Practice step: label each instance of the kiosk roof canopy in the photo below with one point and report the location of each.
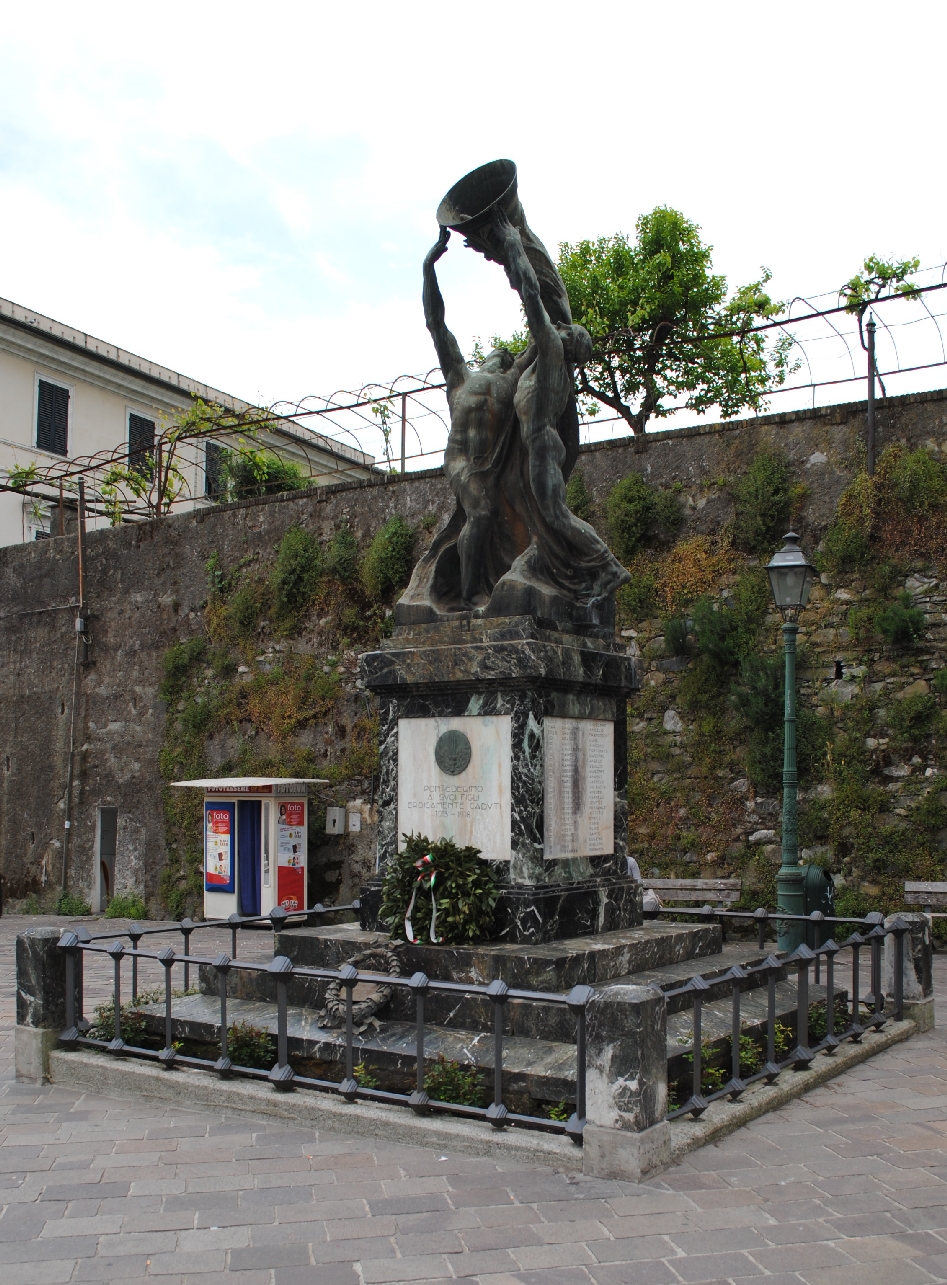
(248, 782)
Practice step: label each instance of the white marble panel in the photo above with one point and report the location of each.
(579, 790)
(471, 807)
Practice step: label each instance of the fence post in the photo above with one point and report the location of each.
(41, 1000)
(914, 934)
(626, 1135)
(168, 1054)
(281, 1076)
(419, 1099)
(497, 1112)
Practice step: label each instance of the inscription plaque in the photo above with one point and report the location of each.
(579, 787)
(470, 805)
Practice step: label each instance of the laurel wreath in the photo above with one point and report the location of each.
(380, 959)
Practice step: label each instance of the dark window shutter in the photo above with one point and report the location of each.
(141, 443)
(213, 471)
(52, 418)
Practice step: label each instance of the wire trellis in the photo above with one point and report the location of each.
(402, 425)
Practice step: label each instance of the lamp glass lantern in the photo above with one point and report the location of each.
(791, 577)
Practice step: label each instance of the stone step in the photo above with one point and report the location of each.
(535, 1071)
(713, 970)
(575, 960)
(550, 966)
(717, 1019)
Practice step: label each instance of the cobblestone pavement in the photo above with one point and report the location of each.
(848, 1184)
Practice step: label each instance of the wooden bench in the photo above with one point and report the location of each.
(925, 895)
(700, 892)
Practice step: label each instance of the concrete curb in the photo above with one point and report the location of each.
(191, 1089)
(199, 1090)
(723, 1117)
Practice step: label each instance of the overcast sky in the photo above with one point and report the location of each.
(245, 192)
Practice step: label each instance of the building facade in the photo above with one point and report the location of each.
(67, 397)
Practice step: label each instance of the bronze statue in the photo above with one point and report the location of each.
(512, 546)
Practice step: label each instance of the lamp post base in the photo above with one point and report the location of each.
(790, 899)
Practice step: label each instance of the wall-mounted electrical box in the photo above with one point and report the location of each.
(335, 820)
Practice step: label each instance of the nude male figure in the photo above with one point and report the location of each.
(481, 415)
(572, 549)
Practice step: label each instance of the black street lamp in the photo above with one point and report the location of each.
(791, 577)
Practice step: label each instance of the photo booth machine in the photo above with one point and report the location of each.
(255, 831)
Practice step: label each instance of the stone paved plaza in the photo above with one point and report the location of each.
(847, 1184)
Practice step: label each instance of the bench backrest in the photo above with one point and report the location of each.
(697, 891)
(924, 894)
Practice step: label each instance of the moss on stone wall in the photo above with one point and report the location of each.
(706, 731)
(269, 686)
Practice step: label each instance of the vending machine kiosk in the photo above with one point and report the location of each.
(255, 831)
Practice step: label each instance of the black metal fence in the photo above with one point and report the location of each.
(807, 961)
(848, 1014)
(77, 945)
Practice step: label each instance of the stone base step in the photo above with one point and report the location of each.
(717, 1019)
(535, 1071)
(549, 966)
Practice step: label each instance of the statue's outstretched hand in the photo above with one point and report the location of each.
(438, 248)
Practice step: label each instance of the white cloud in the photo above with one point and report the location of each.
(245, 193)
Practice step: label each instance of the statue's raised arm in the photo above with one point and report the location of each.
(449, 356)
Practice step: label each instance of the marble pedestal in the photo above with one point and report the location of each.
(510, 734)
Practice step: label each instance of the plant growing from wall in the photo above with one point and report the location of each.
(578, 496)
(638, 515)
(386, 567)
(298, 570)
(463, 890)
(900, 623)
(764, 501)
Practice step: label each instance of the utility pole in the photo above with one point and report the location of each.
(871, 397)
(404, 426)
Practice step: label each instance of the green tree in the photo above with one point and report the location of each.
(664, 332)
(878, 279)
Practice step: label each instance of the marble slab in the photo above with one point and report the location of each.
(471, 806)
(579, 787)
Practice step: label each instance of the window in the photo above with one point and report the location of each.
(52, 417)
(214, 487)
(141, 442)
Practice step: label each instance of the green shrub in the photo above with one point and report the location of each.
(900, 624)
(676, 632)
(629, 510)
(451, 1082)
(757, 696)
(126, 905)
(133, 1025)
(250, 1046)
(364, 1076)
(465, 891)
(579, 497)
(913, 718)
(70, 903)
(637, 600)
(256, 473)
(939, 681)
(763, 504)
(179, 660)
(637, 515)
(387, 564)
(342, 556)
(727, 630)
(245, 609)
(915, 480)
(852, 903)
(299, 566)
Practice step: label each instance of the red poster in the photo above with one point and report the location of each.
(291, 854)
(218, 847)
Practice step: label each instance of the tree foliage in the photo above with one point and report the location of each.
(878, 279)
(664, 332)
